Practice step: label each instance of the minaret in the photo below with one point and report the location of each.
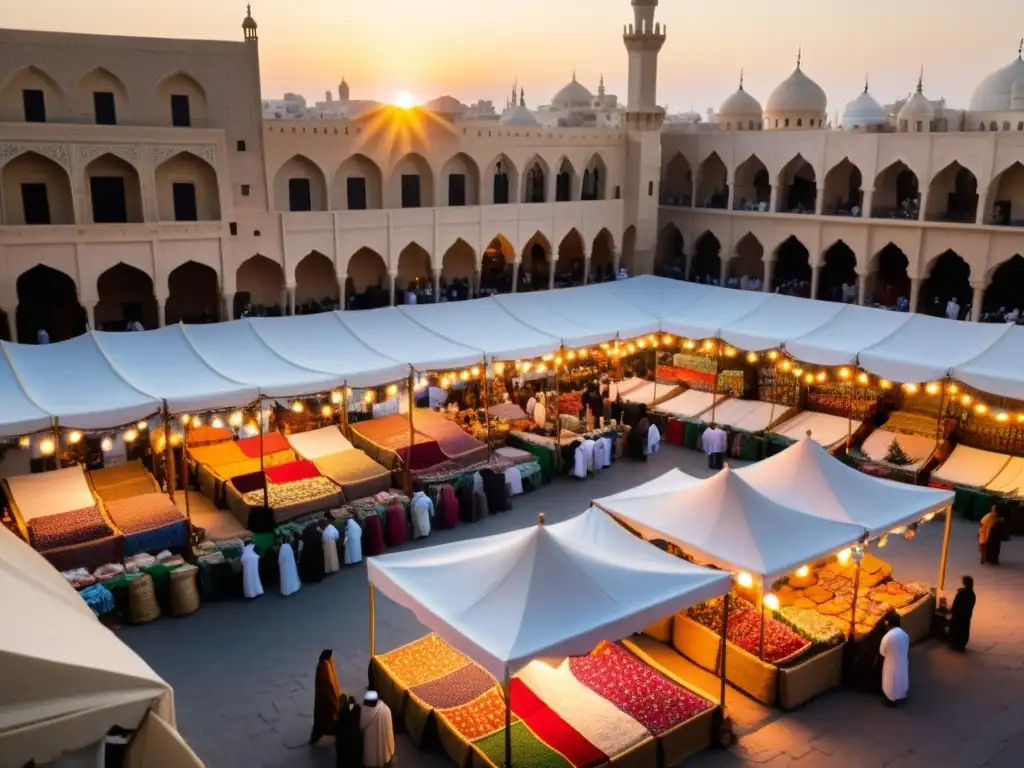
(249, 26)
(343, 92)
(643, 120)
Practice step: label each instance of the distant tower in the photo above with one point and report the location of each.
(644, 39)
(600, 88)
(249, 26)
(343, 91)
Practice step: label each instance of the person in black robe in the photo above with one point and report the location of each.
(327, 698)
(862, 667)
(960, 616)
(636, 441)
(348, 738)
(311, 560)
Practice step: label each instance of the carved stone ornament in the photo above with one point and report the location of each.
(89, 152)
(162, 153)
(56, 152)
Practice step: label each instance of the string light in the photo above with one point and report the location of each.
(335, 396)
(952, 389)
(24, 441)
(197, 422)
(541, 368)
(932, 389)
(798, 372)
(130, 435)
(185, 419)
(862, 379)
(744, 579)
(844, 373)
(666, 339)
(689, 344)
(75, 437)
(822, 376)
(548, 358)
(885, 384)
(474, 371)
(499, 369)
(730, 352)
(236, 419)
(752, 357)
(803, 571)
(809, 378)
(584, 353)
(327, 411)
(844, 557)
(1002, 416)
(771, 602)
(217, 423)
(965, 400)
(464, 376)
(369, 396)
(980, 409)
(640, 343)
(106, 445)
(558, 361)
(910, 389)
(773, 355)
(526, 367)
(570, 355)
(298, 407)
(141, 426)
(786, 365)
(883, 541)
(392, 390)
(709, 345)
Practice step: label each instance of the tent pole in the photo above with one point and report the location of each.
(771, 415)
(942, 407)
(184, 471)
(168, 451)
(945, 548)
(263, 474)
(487, 408)
(760, 646)
(558, 416)
(412, 436)
(507, 689)
(714, 385)
(856, 590)
(56, 443)
(654, 349)
(373, 621)
(725, 639)
(344, 409)
(849, 410)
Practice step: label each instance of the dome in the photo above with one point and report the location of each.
(572, 95)
(797, 94)
(997, 91)
(740, 105)
(446, 105)
(248, 22)
(917, 107)
(864, 111)
(520, 115)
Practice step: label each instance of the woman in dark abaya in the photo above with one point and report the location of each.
(348, 738)
(862, 668)
(637, 439)
(311, 559)
(961, 613)
(326, 698)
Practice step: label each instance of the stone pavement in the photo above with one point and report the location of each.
(243, 671)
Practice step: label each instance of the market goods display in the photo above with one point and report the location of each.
(780, 642)
(914, 447)
(814, 626)
(570, 402)
(527, 749)
(552, 729)
(421, 661)
(299, 492)
(455, 688)
(483, 715)
(292, 472)
(636, 689)
(142, 513)
(911, 423)
(695, 362)
(65, 529)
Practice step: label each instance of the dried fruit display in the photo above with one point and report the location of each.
(527, 750)
(812, 625)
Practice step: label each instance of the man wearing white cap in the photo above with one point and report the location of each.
(378, 732)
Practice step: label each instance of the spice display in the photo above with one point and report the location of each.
(483, 715)
(780, 642)
(812, 625)
(637, 689)
(911, 423)
(456, 688)
(298, 492)
(422, 660)
(527, 750)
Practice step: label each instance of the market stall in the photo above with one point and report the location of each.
(336, 458)
(387, 441)
(453, 441)
(144, 514)
(600, 582)
(690, 404)
(971, 467)
(723, 521)
(825, 429)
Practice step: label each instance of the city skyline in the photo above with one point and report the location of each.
(307, 50)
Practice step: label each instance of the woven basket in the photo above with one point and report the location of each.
(184, 595)
(142, 604)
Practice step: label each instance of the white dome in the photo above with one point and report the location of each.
(999, 91)
(797, 94)
(917, 107)
(740, 105)
(520, 115)
(572, 95)
(864, 111)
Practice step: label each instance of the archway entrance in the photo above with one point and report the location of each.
(496, 267)
(458, 271)
(949, 280)
(891, 280)
(125, 296)
(415, 277)
(838, 278)
(671, 257)
(792, 269)
(746, 267)
(602, 258)
(192, 295)
(260, 286)
(533, 273)
(707, 260)
(367, 283)
(570, 264)
(316, 285)
(48, 300)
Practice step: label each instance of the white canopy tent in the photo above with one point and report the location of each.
(806, 477)
(670, 482)
(838, 340)
(1000, 368)
(712, 313)
(67, 679)
(535, 310)
(392, 333)
(603, 308)
(725, 522)
(658, 296)
(543, 591)
(18, 412)
(778, 320)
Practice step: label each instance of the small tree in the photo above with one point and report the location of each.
(896, 455)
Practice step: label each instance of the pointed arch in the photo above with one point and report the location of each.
(602, 257)
(29, 77)
(412, 182)
(496, 266)
(953, 195)
(536, 263)
(949, 278)
(263, 280)
(180, 88)
(187, 189)
(300, 185)
(367, 283)
(670, 258)
(897, 193)
(115, 191)
(458, 269)
(1006, 196)
(102, 81)
(48, 300)
(753, 184)
(706, 266)
(628, 258)
(843, 193)
(595, 178)
(798, 184)
(747, 262)
(712, 183)
(1003, 294)
(358, 185)
(460, 181)
(125, 295)
(535, 180)
(36, 190)
(414, 268)
(571, 260)
(792, 275)
(501, 180)
(889, 273)
(565, 181)
(316, 284)
(677, 182)
(192, 294)
(837, 280)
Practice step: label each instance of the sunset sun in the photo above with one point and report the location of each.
(404, 100)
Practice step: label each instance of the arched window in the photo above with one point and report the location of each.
(787, 122)
(992, 126)
(500, 184)
(1020, 125)
(799, 122)
(776, 122)
(1006, 125)
(982, 126)
(750, 125)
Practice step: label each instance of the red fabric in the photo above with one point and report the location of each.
(272, 443)
(396, 529)
(551, 729)
(642, 693)
(373, 536)
(292, 471)
(676, 430)
(424, 455)
(449, 507)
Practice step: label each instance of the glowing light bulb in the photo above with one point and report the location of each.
(548, 358)
(786, 365)
(605, 346)
(809, 378)
(24, 441)
(932, 389)
(335, 396)
(368, 397)
(392, 390)
(584, 353)
(175, 441)
(666, 339)
(541, 368)
(821, 376)
(641, 343)
(929, 517)
(952, 389)
(558, 361)
(862, 379)
(730, 352)
(46, 447)
(298, 407)
(885, 384)
(217, 423)
(499, 369)
(844, 373)
(570, 355)
(883, 541)
(236, 419)
(632, 349)
(910, 389)
(185, 419)
(141, 426)
(327, 411)
(803, 571)
(773, 355)
(75, 437)
(423, 379)
(980, 408)
(771, 602)
(474, 371)
(844, 556)
(197, 422)
(689, 344)
(709, 345)
(106, 445)
(965, 400)
(744, 579)
(1002, 417)
(464, 376)
(527, 366)
(752, 357)
(130, 435)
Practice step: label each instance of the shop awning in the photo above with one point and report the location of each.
(808, 478)
(534, 310)
(1000, 368)
(709, 314)
(164, 365)
(778, 320)
(18, 412)
(602, 308)
(927, 348)
(658, 296)
(725, 522)
(323, 343)
(484, 326)
(547, 591)
(390, 332)
(838, 340)
(670, 482)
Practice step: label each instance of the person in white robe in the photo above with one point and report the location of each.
(290, 583)
(252, 587)
(579, 463)
(653, 439)
(378, 731)
(714, 441)
(540, 414)
(608, 451)
(422, 509)
(514, 478)
(530, 405)
(353, 542)
(895, 652)
(588, 453)
(330, 538)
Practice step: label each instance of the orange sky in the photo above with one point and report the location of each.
(472, 49)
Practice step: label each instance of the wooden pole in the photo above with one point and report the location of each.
(849, 409)
(939, 437)
(558, 416)
(760, 646)
(856, 589)
(487, 408)
(724, 651)
(168, 452)
(775, 375)
(344, 409)
(945, 549)
(714, 385)
(56, 443)
(373, 622)
(412, 435)
(263, 474)
(507, 688)
(654, 348)
(184, 471)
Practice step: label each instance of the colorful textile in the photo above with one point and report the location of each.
(117, 474)
(456, 688)
(552, 729)
(637, 689)
(423, 455)
(142, 513)
(483, 715)
(292, 472)
(356, 473)
(199, 436)
(99, 599)
(422, 660)
(527, 750)
(67, 528)
(271, 442)
(127, 490)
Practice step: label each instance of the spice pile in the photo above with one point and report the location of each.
(780, 642)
